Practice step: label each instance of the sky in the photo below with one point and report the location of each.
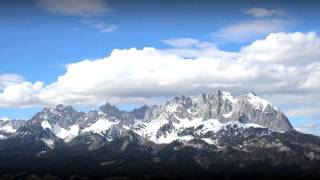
(129, 53)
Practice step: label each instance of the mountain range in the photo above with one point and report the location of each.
(205, 136)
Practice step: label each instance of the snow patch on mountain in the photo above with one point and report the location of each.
(2, 137)
(46, 125)
(172, 107)
(226, 96)
(227, 115)
(210, 141)
(100, 126)
(170, 138)
(257, 102)
(152, 131)
(66, 135)
(8, 129)
(149, 130)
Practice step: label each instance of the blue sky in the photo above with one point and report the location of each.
(40, 37)
(47, 41)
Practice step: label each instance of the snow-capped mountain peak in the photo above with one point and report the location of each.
(257, 102)
(181, 118)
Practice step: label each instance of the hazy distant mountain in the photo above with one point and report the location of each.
(210, 135)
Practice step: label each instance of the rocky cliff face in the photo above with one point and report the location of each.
(225, 108)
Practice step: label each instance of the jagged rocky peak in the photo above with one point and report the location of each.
(258, 103)
(223, 106)
(64, 116)
(186, 102)
(205, 106)
(140, 113)
(59, 109)
(111, 111)
(251, 109)
(144, 112)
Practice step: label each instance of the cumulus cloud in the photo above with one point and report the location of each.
(296, 49)
(250, 29)
(82, 8)
(194, 48)
(263, 12)
(128, 75)
(9, 79)
(189, 67)
(24, 94)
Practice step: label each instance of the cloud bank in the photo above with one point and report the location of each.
(283, 67)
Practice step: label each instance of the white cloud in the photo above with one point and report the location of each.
(296, 49)
(106, 27)
(82, 8)
(9, 79)
(194, 48)
(266, 66)
(251, 29)
(101, 26)
(313, 79)
(138, 75)
(310, 126)
(263, 12)
(297, 102)
(265, 21)
(307, 128)
(308, 111)
(128, 75)
(24, 94)
(188, 42)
